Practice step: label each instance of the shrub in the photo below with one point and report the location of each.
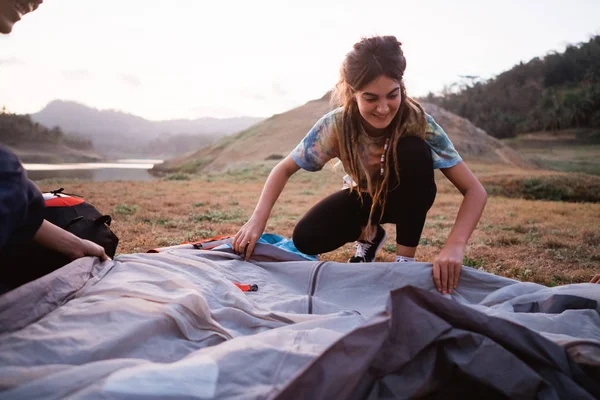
(124, 209)
(178, 177)
(218, 216)
(560, 187)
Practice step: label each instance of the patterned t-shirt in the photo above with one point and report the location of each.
(321, 145)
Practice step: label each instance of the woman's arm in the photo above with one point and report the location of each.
(448, 263)
(245, 240)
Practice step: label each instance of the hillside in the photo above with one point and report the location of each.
(570, 150)
(555, 92)
(168, 146)
(121, 134)
(279, 134)
(35, 143)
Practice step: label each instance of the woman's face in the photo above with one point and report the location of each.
(11, 11)
(378, 102)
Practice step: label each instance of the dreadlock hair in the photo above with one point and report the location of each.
(369, 59)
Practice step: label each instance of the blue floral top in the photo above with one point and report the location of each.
(320, 145)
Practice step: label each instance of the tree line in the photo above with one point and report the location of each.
(558, 91)
(17, 130)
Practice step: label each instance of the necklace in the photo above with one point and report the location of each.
(385, 147)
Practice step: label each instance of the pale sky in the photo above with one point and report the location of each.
(165, 59)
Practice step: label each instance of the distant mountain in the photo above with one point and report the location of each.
(121, 134)
(166, 145)
(276, 136)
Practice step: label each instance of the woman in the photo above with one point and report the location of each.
(389, 147)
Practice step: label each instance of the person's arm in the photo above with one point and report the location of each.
(246, 238)
(448, 263)
(62, 241)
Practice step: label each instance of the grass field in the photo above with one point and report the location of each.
(567, 151)
(548, 242)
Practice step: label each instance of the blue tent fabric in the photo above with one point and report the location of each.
(277, 241)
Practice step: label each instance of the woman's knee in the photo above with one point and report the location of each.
(302, 238)
(317, 237)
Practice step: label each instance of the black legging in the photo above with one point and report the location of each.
(340, 218)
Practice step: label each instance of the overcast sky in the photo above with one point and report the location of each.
(191, 58)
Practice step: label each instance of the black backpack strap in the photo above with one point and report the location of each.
(58, 191)
(105, 219)
(71, 222)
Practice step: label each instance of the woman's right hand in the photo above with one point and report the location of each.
(246, 238)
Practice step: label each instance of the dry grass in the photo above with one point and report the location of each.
(541, 241)
(573, 150)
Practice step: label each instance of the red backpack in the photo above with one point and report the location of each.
(29, 261)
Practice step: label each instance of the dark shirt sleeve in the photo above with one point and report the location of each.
(21, 203)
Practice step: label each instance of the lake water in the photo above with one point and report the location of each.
(119, 170)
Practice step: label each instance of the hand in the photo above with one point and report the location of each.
(62, 241)
(596, 279)
(446, 268)
(246, 238)
(87, 248)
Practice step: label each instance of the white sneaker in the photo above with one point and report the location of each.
(402, 259)
(366, 250)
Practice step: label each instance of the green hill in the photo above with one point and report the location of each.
(556, 92)
(34, 142)
(569, 150)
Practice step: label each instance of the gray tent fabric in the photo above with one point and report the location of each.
(174, 325)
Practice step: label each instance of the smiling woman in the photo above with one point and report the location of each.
(11, 12)
(389, 148)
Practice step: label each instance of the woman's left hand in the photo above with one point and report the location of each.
(446, 268)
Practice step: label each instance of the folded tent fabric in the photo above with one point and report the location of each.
(279, 242)
(136, 326)
(224, 243)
